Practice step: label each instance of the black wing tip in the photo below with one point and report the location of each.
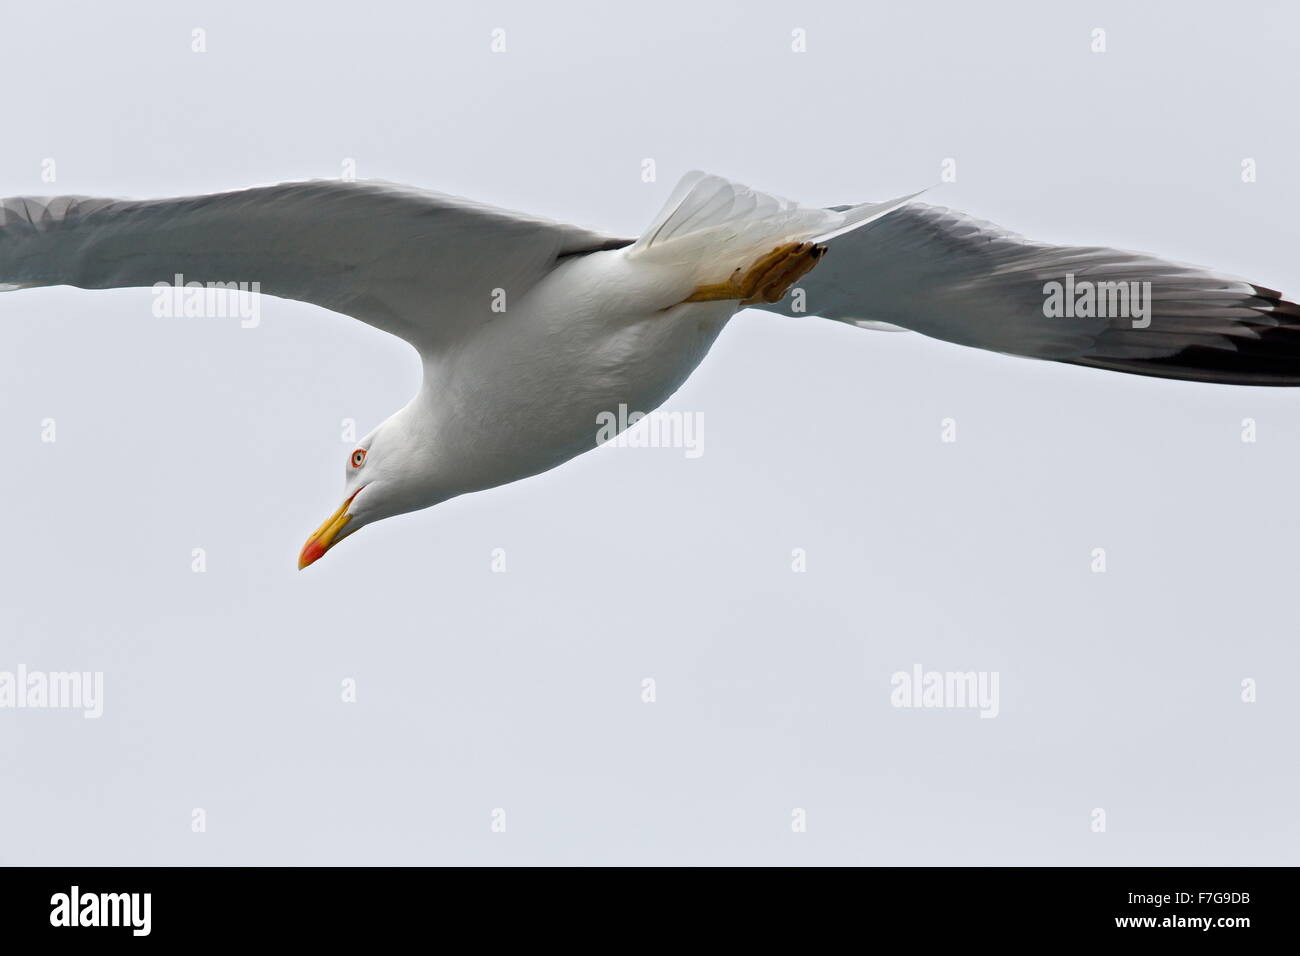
(1186, 366)
(1272, 360)
(1274, 303)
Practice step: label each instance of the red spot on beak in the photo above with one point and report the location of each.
(327, 535)
(311, 552)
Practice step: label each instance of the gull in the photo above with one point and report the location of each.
(531, 331)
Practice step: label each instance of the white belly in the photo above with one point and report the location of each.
(533, 388)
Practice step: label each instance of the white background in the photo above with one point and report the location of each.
(522, 690)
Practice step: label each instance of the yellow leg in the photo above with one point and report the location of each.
(767, 280)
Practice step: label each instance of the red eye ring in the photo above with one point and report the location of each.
(358, 458)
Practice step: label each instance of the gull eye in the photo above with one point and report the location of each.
(358, 458)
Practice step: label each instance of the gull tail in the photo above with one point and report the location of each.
(721, 225)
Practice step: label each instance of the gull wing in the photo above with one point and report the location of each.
(421, 265)
(952, 277)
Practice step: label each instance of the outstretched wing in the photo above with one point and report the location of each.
(420, 265)
(944, 274)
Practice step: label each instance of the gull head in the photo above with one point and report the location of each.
(385, 475)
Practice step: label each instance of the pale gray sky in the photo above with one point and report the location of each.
(522, 690)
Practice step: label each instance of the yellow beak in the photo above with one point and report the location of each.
(326, 535)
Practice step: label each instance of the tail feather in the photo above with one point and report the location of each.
(721, 225)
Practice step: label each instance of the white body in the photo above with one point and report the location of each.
(523, 393)
(523, 390)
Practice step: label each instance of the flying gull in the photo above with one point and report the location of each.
(530, 330)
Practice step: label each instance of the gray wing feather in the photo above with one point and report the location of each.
(420, 265)
(952, 277)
